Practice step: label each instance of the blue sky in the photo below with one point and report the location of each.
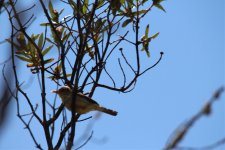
(192, 37)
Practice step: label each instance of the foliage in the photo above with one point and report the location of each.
(84, 42)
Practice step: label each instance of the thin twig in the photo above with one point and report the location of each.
(180, 132)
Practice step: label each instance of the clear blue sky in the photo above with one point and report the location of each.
(192, 37)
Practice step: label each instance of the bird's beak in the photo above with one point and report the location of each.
(54, 91)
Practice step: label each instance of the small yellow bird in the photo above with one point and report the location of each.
(83, 105)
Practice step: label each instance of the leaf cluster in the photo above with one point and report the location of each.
(27, 52)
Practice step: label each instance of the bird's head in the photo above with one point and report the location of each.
(64, 91)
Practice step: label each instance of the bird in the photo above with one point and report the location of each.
(84, 104)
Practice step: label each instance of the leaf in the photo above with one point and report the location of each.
(45, 24)
(68, 75)
(155, 35)
(140, 12)
(142, 3)
(51, 77)
(100, 3)
(66, 36)
(48, 61)
(49, 40)
(148, 53)
(160, 7)
(30, 47)
(157, 1)
(126, 22)
(73, 5)
(51, 9)
(85, 6)
(98, 23)
(40, 41)
(61, 11)
(115, 5)
(21, 40)
(58, 68)
(34, 37)
(44, 52)
(24, 58)
(145, 48)
(130, 3)
(104, 29)
(146, 31)
(145, 41)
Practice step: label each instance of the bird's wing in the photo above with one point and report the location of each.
(87, 98)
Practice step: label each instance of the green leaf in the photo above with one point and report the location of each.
(73, 5)
(100, 3)
(44, 52)
(30, 48)
(66, 36)
(115, 5)
(51, 77)
(40, 41)
(24, 58)
(160, 7)
(48, 61)
(85, 6)
(58, 68)
(49, 40)
(155, 35)
(126, 22)
(61, 11)
(157, 1)
(140, 12)
(145, 48)
(51, 9)
(34, 37)
(122, 1)
(98, 23)
(105, 28)
(142, 3)
(130, 3)
(148, 53)
(146, 31)
(45, 24)
(68, 75)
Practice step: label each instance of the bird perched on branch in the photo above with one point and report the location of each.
(83, 104)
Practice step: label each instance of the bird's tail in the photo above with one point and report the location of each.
(107, 111)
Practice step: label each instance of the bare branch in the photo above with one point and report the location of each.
(179, 134)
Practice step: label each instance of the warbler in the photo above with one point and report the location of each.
(83, 104)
